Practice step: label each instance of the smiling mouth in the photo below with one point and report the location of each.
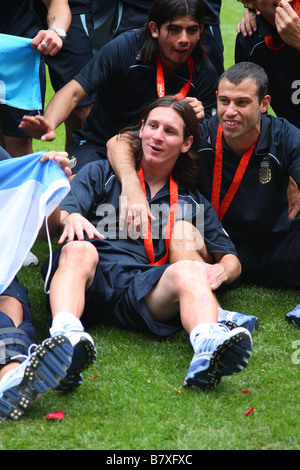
(156, 149)
(231, 123)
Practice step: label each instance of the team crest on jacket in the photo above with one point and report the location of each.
(265, 171)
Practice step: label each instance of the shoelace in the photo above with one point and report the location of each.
(23, 356)
(47, 291)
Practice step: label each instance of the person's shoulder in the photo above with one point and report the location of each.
(208, 130)
(279, 131)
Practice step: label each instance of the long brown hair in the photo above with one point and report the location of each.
(163, 11)
(188, 165)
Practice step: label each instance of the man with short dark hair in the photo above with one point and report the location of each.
(248, 157)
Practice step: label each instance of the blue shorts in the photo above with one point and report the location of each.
(117, 298)
(15, 341)
(75, 53)
(19, 292)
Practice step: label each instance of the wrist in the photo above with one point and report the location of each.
(59, 31)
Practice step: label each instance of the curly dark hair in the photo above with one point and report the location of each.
(188, 165)
(244, 2)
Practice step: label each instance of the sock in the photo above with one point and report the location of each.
(197, 334)
(65, 321)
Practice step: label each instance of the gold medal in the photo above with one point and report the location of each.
(265, 171)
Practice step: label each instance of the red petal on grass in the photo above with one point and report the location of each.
(55, 415)
(248, 412)
(247, 391)
(96, 377)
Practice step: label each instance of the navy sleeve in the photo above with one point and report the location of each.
(110, 63)
(85, 188)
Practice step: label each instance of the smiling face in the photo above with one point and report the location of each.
(163, 140)
(176, 40)
(239, 111)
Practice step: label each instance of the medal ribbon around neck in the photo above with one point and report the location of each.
(148, 242)
(217, 177)
(160, 81)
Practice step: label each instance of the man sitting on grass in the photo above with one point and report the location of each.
(248, 157)
(127, 282)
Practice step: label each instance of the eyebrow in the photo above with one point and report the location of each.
(169, 126)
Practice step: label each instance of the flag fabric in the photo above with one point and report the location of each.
(29, 192)
(19, 73)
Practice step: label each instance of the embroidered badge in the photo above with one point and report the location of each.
(265, 171)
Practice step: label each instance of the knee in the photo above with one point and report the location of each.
(79, 254)
(189, 274)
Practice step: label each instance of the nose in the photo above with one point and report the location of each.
(231, 109)
(184, 39)
(158, 134)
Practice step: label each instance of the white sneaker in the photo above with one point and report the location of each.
(30, 260)
(221, 352)
(84, 353)
(42, 370)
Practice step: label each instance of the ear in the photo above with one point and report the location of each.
(153, 29)
(265, 103)
(187, 144)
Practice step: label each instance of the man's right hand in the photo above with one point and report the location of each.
(38, 127)
(134, 210)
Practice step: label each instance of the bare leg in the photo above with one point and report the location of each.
(75, 121)
(74, 276)
(18, 146)
(183, 287)
(13, 308)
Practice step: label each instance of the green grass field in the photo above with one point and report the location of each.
(132, 397)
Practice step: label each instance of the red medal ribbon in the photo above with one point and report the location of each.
(217, 177)
(160, 81)
(270, 44)
(148, 243)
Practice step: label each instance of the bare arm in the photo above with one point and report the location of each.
(58, 15)
(57, 111)
(226, 269)
(134, 204)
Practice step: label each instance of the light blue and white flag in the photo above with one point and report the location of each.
(29, 192)
(19, 73)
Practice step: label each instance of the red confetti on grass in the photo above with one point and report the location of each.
(247, 391)
(56, 415)
(249, 412)
(178, 391)
(96, 377)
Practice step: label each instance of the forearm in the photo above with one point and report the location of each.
(122, 159)
(59, 13)
(63, 103)
(230, 267)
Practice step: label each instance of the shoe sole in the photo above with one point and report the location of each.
(84, 355)
(293, 320)
(47, 366)
(229, 357)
